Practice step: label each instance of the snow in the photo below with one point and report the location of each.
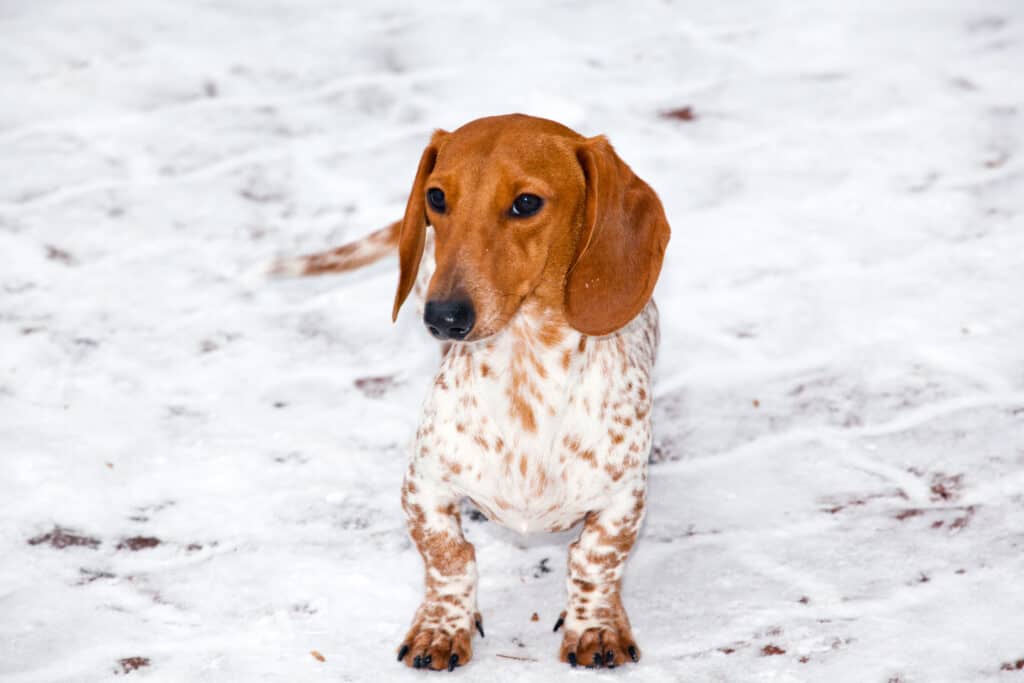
(839, 466)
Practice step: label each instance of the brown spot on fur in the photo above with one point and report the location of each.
(522, 465)
(550, 333)
(590, 456)
(522, 411)
(447, 554)
(485, 370)
(542, 482)
(520, 406)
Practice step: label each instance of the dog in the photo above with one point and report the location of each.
(537, 275)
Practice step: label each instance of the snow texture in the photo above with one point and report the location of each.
(200, 468)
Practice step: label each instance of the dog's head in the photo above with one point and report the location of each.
(526, 209)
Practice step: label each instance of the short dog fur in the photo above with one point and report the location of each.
(538, 273)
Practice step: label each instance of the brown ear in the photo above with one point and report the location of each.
(621, 245)
(414, 226)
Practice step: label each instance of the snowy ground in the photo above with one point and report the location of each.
(199, 470)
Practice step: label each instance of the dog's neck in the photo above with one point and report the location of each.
(528, 363)
(536, 326)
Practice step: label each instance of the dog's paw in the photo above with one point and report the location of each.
(439, 644)
(605, 645)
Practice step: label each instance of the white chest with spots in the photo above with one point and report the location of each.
(540, 424)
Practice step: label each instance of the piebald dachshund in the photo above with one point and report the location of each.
(537, 275)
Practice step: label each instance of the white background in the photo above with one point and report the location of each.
(840, 392)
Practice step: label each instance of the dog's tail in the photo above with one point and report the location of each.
(363, 252)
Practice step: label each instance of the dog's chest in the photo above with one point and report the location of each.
(541, 424)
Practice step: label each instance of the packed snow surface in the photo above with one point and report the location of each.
(200, 468)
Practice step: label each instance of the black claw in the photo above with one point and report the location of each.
(403, 652)
(417, 662)
(572, 659)
(633, 653)
(558, 624)
(598, 659)
(480, 628)
(609, 659)
(453, 662)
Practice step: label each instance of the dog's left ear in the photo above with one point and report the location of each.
(413, 234)
(620, 247)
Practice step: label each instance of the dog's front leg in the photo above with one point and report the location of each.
(597, 631)
(442, 628)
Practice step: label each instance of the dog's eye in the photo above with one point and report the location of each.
(526, 205)
(435, 198)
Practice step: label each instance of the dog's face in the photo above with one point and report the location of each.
(505, 201)
(526, 209)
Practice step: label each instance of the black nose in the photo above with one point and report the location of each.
(449, 319)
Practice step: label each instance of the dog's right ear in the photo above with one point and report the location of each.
(414, 225)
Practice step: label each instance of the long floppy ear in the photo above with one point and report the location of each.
(621, 245)
(414, 226)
